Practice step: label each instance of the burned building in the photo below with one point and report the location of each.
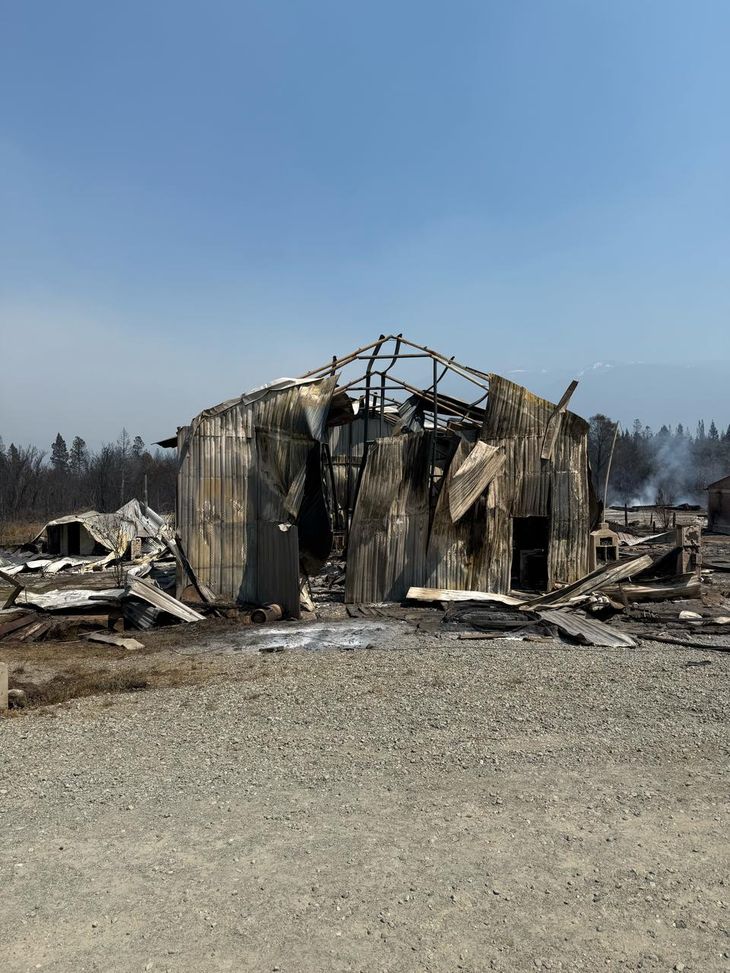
(417, 485)
(718, 506)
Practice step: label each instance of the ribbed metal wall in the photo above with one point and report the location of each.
(387, 549)
(240, 484)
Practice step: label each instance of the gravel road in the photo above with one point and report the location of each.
(429, 805)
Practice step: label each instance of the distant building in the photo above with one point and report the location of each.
(718, 506)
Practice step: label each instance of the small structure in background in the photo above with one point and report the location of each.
(91, 533)
(93, 541)
(718, 506)
(604, 546)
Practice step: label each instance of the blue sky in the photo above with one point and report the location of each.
(197, 198)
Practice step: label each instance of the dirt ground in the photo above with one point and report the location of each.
(423, 804)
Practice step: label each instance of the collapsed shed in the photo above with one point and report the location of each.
(92, 533)
(419, 486)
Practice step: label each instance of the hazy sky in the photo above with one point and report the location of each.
(196, 198)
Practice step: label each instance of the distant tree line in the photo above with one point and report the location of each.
(667, 467)
(39, 485)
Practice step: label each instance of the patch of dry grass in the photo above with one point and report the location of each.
(19, 531)
(60, 688)
(57, 672)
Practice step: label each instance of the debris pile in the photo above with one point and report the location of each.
(126, 563)
(640, 596)
(92, 541)
(30, 615)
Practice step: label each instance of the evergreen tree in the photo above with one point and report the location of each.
(137, 447)
(713, 434)
(78, 461)
(59, 454)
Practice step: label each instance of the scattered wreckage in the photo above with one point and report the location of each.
(133, 546)
(357, 483)
(91, 541)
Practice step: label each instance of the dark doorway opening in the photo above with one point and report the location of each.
(530, 542)
(74, 537)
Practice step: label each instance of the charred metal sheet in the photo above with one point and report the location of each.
(473, 477)
(347, 446)
(589, 631)
(387, 547)
(160, 599)
(553, 425)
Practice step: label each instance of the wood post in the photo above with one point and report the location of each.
(3, 686)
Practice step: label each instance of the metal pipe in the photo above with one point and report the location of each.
(431, 504)
(397, 356)
(267, 613)
(348, 498)
(346, 359)
(451, 362)
(608, 472)
(464, 413)
(333, 485)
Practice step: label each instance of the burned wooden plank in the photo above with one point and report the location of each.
(603, 576)
(686, 586)
(31, 633)
(684, 643)
(16, 624)
(117, 640)
(449, 594)
(15, 586)
(178, 552)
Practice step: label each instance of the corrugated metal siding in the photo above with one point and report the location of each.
(346, 450)
(529, 486)
(215, 503)
(476, 553)
(241, 475)
(387, 546)
(457, 552)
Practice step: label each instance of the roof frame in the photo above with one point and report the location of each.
(473, 375)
